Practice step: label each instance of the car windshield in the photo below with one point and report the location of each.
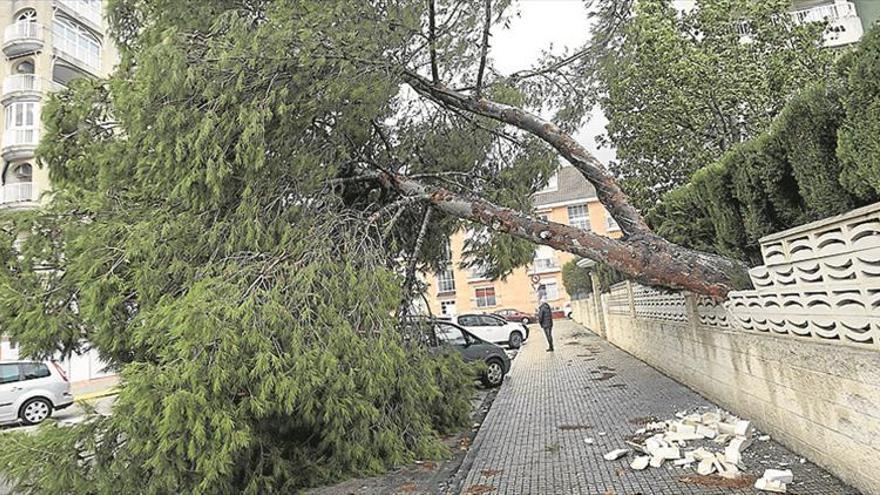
(449, 334)
(9, 373)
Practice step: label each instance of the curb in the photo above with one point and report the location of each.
(96, 395)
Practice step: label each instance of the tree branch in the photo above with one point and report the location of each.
(484, 51)
(432, 41)
(646, 258)
(607, 190)
(413, 260)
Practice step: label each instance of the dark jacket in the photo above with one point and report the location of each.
(545, 316)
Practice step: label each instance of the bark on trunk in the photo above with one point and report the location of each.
(644, 257)
(609, 193)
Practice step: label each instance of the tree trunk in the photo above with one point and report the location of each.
(644, 257)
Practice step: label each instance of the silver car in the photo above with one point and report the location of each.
(31, 390)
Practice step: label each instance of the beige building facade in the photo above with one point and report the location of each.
(46, 45)
(568, 199)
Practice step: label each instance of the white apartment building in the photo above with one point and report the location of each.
(46, 45)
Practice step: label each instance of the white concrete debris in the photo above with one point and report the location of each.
(640, 462)
(774, 480)
(589, 441)
(782, 476)
(615, 454)
(666, 440)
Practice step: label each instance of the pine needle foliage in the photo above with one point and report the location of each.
(195, 239)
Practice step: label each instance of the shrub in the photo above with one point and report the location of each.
(858, 139)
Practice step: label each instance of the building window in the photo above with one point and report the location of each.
(27, 15)
(77, 41)
(611, 223)
(485, 297)
(545, 258)
(20, 115)
(579, 216)
(445, 281)
(447, 308)
(447, 251)
(24, 172)
(478, 272)
(548, 289)
(24, 67)
(552, 184)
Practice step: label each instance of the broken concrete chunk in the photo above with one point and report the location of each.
(686, 429)
(710, 418)
(668, 453)
(615, 454)
(706, 431)
(782, 476)
(640, 462)
(706, 467)
(732, 455)
(770, 486)
(675, 436)
(728, 470)
(727, 428)
(701, 454)
(693, 419)
(652, 445)
(657, 461)
(764, 438)
(686, 461)
(743, 428)
(589, 441)
(722, 438)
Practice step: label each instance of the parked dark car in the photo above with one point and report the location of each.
(439, 335)
(518, 316)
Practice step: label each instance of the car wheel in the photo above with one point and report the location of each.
(515, 341)
(494, 373)
(526, 321)
(35, 411)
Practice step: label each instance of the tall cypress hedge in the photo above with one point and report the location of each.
(858, 143)
(820, 157)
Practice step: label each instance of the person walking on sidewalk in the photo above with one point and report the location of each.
(545, 319)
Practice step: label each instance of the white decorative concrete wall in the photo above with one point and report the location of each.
(798, 355)
(820, 282)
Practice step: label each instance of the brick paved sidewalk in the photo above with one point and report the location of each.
(533, 439)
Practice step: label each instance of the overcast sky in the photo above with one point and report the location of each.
(542, 23)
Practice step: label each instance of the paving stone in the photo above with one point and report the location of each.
(609, 397)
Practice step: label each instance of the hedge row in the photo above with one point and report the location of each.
(820, 157)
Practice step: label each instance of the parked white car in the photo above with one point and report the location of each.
(493, 328)
(31, 390)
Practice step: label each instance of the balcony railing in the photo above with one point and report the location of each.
(16, 193)
(91, 11)
(23, 31)
(21, 137)
(76, 50)
(21, 82)
(829, 12)
(545, 264)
